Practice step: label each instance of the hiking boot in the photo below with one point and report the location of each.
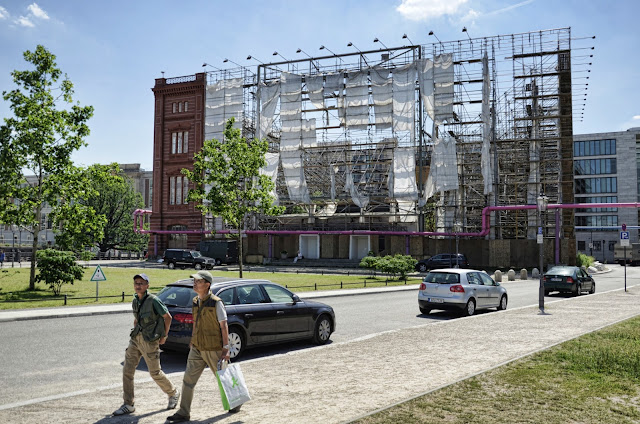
(236, 409)
(173, 400)
(124, 409)
(177, 418)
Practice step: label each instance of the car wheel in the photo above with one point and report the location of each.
(422, 267)
(236, 342)
(503, 303)
(218, 262)
(425, 311)
(546, 292)
(323, 330)
(593, 288)
(577, 290)
(198, 267)
(171, 265)
(470, 309)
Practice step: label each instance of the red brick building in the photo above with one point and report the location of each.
(178, 133)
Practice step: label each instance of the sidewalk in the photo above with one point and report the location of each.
(340, 382)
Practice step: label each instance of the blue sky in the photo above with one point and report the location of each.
(112, 51)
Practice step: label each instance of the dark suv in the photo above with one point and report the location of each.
(443, 260)
(187, 258)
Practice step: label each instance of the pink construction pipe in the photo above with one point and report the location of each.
(486, 223)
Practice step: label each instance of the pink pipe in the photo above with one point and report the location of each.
(486, 223)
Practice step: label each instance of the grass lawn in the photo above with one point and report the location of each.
(592, 379)
(14, 284)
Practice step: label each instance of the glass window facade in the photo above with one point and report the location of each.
(597, 221)
(596, 185)
(595, 166)
(594, 147)
(597, 199)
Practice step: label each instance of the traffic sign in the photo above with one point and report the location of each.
(624, 238)
(98, 275)
(624, 227)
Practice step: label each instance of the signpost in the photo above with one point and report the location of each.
(624, 242)
(98, 276)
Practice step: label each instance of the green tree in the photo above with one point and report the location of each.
(114, 198)
(39, 139)
(56, 268)
(227, 182)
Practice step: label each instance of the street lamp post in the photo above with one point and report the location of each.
(457, 228)
(13, 244)
(542, 202)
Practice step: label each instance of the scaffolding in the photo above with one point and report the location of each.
(511, 122)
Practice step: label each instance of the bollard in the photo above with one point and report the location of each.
(535, 274)
(123, 296)
(498, 276)
(511, 275)
(315, 286)
(340, 284)
(65, 299)
(523, 274)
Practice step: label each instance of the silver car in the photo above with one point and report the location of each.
(464, 290)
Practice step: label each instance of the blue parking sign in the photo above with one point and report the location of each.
(624, 235)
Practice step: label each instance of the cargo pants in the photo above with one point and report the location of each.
(196, 363)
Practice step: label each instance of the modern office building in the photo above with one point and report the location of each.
(606, 170)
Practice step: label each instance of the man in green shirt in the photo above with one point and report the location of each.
(151, 325)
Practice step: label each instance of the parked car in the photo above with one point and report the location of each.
(443, 260)
(259, 312)
(570, 279)
(463, 290)
(187, 258)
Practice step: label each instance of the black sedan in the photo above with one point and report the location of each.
(443, 260)
(259, 312)
(570, 279)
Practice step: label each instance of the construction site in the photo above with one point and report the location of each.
(411, 145)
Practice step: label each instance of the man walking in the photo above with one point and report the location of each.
(151, 326)
(209, 341)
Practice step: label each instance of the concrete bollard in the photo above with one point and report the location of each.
(498, 276)
(523, 274)
(535, 274)
(511, 275)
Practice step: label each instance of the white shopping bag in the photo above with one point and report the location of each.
(233, 389)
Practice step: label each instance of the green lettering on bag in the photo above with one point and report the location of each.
(235, 382)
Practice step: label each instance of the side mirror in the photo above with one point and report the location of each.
(295, 298)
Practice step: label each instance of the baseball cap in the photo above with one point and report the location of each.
(203, 275)
(145, 277)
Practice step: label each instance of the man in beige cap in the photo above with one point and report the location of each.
(209, 341)
(151, 325)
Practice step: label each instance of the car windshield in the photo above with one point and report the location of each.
(195, 254)
(177, 296)
(560, 270)
(442, 278)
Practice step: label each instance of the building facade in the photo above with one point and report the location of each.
(606, 170)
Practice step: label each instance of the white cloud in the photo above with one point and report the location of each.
(3, 13)
(636, 118)
(24, 21)
(37, 11)
(420, 10)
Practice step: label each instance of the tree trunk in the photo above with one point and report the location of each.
(240, 253)
(34, 250)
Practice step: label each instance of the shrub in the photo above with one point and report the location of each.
(396, 265)
(56, 268)
(369, 262)
(584, 260)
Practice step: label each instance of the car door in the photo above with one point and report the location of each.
(481, 292)
(293, 320)
(493, 290)
(587, 281)
(256, 313)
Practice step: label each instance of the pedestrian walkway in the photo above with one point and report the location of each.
(339, 382)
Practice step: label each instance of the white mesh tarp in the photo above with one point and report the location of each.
(269, 95)
(334, 85)
(487, 171)
(443, 175)
(294, 176)
(357, 101)
(309, 133)
(271, 170)
(358, 199)
(223, 100)
(443, 87)
(290, 111)
(404, 174)
(315, 89)
(425, 80)
(404, 98)
(382, 101)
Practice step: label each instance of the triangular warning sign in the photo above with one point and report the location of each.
(98, 275)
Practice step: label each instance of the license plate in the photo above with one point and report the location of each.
(556, 279)
(435, 300)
